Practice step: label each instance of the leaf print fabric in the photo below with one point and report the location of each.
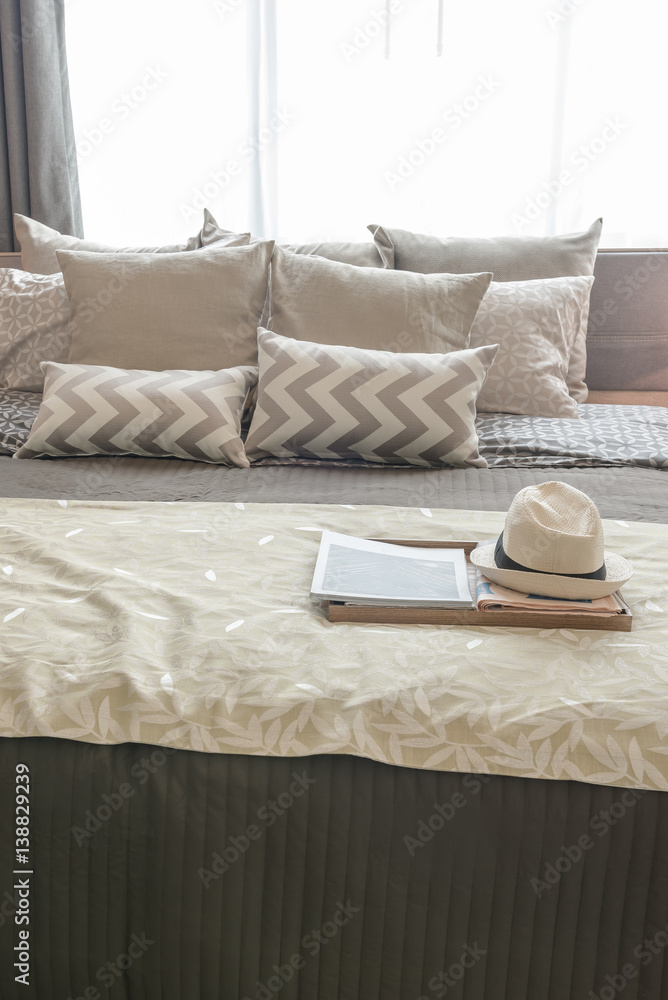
(172, 624)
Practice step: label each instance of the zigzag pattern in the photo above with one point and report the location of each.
(97, 410)
(319, 401)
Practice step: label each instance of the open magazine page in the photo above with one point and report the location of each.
(360, 571)
(493, 597)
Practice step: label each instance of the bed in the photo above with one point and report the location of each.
(323, 854)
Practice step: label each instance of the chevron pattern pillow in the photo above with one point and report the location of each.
(324, 401)
(96, 410)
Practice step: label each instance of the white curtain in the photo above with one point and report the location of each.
(263, 88)
(306, 120)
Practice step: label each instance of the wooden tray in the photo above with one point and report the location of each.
(337, 611)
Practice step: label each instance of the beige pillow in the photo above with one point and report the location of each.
(535, 323)
(39, 243)
(96, 410)
(510, 258)
(324, 401)
(360, 254)
(192, 311)
(370, 307)
(33, 326)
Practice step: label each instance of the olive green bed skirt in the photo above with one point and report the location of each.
(175, 875)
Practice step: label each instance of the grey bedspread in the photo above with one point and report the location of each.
(634, 494)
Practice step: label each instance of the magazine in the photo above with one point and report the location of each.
(381, 574)
(494, 597)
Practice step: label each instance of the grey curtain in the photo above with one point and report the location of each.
(38, 164)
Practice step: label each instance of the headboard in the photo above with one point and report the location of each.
(627, 337)
(10, 259)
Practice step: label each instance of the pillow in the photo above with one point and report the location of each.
(33, 326)
(370, 307)
(536, 324)
(359, 254)
(18, 410)
(39, 243)
(511, 258)
(96, 410)
(192, 311)
(324, 401)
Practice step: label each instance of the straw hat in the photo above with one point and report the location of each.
(552, 545)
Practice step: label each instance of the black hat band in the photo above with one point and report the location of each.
(503, 561)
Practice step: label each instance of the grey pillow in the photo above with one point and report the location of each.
(188, 311)
(360, 254)
(39, 243)
(334, 303)
(510, 258)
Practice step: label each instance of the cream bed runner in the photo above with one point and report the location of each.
(190, 625)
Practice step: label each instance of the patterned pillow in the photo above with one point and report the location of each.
(39, 243)
(95, 410)
(34, 313)
(536, 324)
(324, 401)
(18, 411)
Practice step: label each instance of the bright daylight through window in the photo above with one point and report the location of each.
(305, 120)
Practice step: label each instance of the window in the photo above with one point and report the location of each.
(308, 120)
